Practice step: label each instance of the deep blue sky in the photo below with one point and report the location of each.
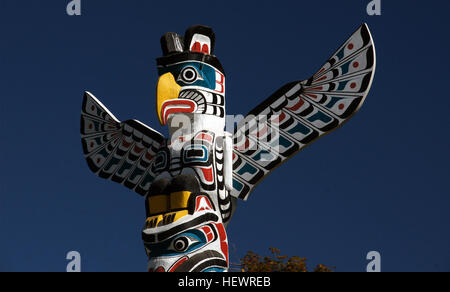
(379, 183)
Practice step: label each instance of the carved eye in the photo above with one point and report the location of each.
(181, 244)
(189, 75)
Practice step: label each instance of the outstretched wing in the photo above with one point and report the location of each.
(301, 112)
(118, 151)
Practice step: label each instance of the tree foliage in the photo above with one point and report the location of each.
(276, 262)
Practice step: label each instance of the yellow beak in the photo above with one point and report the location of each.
(166, 89)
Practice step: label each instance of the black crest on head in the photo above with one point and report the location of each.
(172, 42)
(197, 44)
(198, 38)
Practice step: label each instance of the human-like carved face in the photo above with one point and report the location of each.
(196, 242)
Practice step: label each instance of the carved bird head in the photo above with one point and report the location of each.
(192, 80)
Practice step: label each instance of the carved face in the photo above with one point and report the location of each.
(192, 80)
(195, 242)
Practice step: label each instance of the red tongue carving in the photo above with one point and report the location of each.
(177, 106)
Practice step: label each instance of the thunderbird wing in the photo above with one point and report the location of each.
(301, 112)
(122, 152)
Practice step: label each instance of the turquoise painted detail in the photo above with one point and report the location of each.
(104, 153)
(281, 143)
(340, 55)
(215, 270)
(263, 156)
(247, 168)
(237, 185)
(342, 85)
(320, 116)
(299, 128)
(147, 180)
(202, 158)
(111, 163)
(98, 140)
(206, 74)
(285, 142)
(163, 163)
(136, 172)
(96, 125)
(125, 166)
(193, 238)
(333, 101)
(345, 67)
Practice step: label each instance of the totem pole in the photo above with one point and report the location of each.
(192, 180)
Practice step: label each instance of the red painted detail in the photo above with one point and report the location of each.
(196, 47)
(200, 202)
(224, 248)
(98, 160)
(90, 126)
(176, 265)
(181, 139)
(138, 149)
(125, 144)
(92, 108)
(243, 147)
(297, 106)
(205, 49)
(206, 229)
(247, 143)
(148, 156)
(322, 78)
(210, 236)
(208, 232)
(321, 70)
(207, 173)
(312, 95)
(234, 156)
(159, 270)
(92, 144)
(350, 46)
(316, 88)
(177, 106)
(355, 65)
(263, 131)
(341, 106)
(220, 82)
(223, 239)
(353, 85)
(205, 137)
(279, 118)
